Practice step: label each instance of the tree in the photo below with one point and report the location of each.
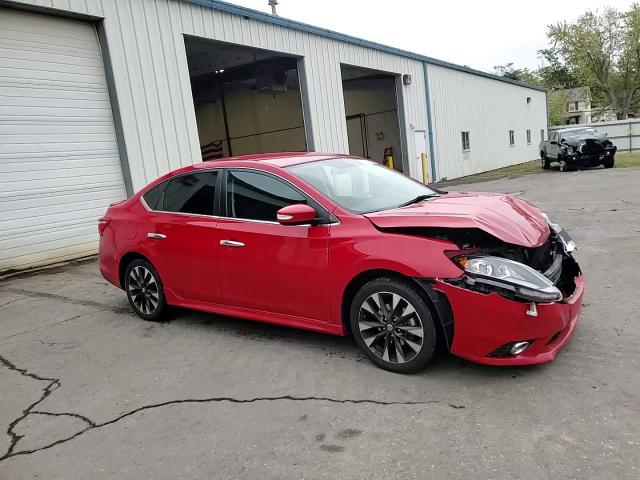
(557, 107)
(554, 74)
(523, 75)
(602, 50)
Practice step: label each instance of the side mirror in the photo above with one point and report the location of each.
(296, 214)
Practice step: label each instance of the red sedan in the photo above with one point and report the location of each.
(342, 245)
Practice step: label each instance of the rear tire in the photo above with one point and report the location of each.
(145, 290)
(392, 325)
(546, 163)
(609, 163)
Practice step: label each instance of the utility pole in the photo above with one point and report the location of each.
(273, 4)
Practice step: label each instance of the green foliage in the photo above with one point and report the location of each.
(554, 74)
(523, 75)
(600, 50)
(557, 108)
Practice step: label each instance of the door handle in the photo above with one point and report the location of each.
(231, 243)
(156, 235)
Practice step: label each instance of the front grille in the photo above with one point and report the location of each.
(592, 148)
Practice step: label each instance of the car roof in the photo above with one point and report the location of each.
(281, 160)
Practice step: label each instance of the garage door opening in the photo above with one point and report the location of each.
(371, 106)
(246, 100)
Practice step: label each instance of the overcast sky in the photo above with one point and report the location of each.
(477, 33)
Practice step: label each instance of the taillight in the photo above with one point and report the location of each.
(102, 224)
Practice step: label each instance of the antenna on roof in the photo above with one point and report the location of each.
(273, 4)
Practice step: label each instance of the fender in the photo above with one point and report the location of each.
(411, 256)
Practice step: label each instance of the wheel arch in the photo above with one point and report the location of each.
(436, 302)
(126, 259)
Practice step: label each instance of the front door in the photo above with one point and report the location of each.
(267, 266)
(181, 238)
(554, 145)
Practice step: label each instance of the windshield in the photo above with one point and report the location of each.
(361, 186)
(579, 133)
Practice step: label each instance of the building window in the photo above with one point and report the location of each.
(466, 143)
(512, 138)
(542, 135)
(528, 137)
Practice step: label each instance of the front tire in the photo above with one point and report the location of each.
(564, 166)
(392, 325)
(609, 163)
(145, 290)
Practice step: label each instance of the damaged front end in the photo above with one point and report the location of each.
(513, 305)
(542, 274)
(519, 293)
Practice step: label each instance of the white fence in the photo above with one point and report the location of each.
(625, 134)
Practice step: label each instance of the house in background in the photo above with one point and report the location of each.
(578, 104)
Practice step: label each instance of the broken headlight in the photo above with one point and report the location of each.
(501, 274)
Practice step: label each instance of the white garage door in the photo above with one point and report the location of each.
(59, 163)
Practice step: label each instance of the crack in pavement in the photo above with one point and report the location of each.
(46, 325)
(54, 384)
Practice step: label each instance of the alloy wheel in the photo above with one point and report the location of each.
(143, 290)
(390, 327)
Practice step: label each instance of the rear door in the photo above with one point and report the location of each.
(267, 266)
(181, 235)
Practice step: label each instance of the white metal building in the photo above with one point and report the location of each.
(100, 97)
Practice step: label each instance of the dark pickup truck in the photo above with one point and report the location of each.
(577, 147)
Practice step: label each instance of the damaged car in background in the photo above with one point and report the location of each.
(577, 147)
(346, 246)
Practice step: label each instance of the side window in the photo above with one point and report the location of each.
(256, 196)
(190, 193)
(152, 197)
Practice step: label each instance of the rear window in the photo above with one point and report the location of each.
(153, 196)
(191, 193)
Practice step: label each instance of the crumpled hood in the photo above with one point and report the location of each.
(587, 138)
(508, 218)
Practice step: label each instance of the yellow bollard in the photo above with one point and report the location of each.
(390, 162)
(425, 168)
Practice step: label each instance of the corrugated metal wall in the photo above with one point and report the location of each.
(487, 109)
(625, 134)
(145, 40)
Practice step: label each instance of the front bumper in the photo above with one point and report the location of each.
(591, 159)
(485, 322)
